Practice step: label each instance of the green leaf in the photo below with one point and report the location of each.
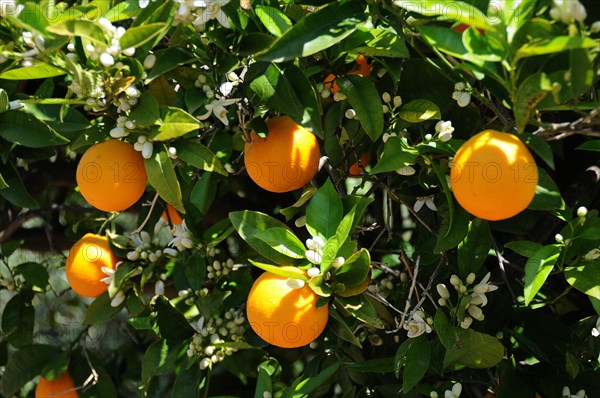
(195, 272)
(456, 11)
(360, 203)
(175, 123)
(187, 383)
(539, 146)
(395, 155)
(572, 366)
(365, 100)
(360, 308)
(171, 323)
(316, 32)
(167, 60)
(593, 145)
(374, 42)
(448, 41)
(122, 11)
(417, 361)
(18, 318)
(474, 350)
(139, 35)
(287, 90)
(284, 241)
(377, 365)
(528, 95)
(277, 270)
(419, 111)
(16, 193)
(324, 212)
(400, 357)
(554, 45)
(274, 20)
(290, 211)
(249, 224)
(450, 235)
(473, 250)
(24, 365)
(585, 277)
(538, 268)
(483, 47)
(310, 384)
(204, 192)
(334, 243)
(341, 329)
(159, 358)
(35, 275)
(80, 370)
(79, 28)
(37, 71)
(4, 101)
(24, 129)
(100, 310)
(547, 195)
(162, 177)
(523, 247)
(146, 112)
(354, 271)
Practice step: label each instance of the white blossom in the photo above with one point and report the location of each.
(427, 201)
(316, 243)
(314, 256)
(144, 145)
(350, 113)
(454, 392)
(118, 299)
(159, 288)
(406, 171)
(218, 109)
(443, 291)
(211, 10)
(314, 271)
(110, 274)
(566, 393)
(568, 10)
(466, 323)
(596, 329)
(463, 99)
(417, 325)
(444, 129)
(397, 101)
(107, 60)
(592, 254)
(595, 28)
(476, 312)
(182, 237)
(481, 289)
(582, 211)
(387, 98)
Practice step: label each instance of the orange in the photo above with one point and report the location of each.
(111, 175)
(283, 314)
(284, 161)
(355, 170)
(84, 265)
(171, 215)
(63, 387)
(362, 68)
(493, 175)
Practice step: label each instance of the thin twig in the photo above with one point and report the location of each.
(410, 293)
(143, 224)
(384, 301)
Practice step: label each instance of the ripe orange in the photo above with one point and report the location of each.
(173, 215)
(355, 170)
(286, 160)
(493, 175)
(283, 314)
(84, 265)
(111, 175)
(362, 68)
(63, 387)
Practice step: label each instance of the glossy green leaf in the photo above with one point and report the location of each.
(419, 111)
(593, 145)
(159, 358)
(146, 112)
(122, 11)
(365, 100)
(276, 22)
(538, 268)
(24, 129)
(277, 270)
(360, 308)
(554, 45)
(24, 365)
(451, 233)
(162, 177)
(167, 60)
(395, 155)
(283, 241)
(171, 323)
(18, 316)
(547, 195)
(100, 310)
(457, 11)
(35, 275)
(38, 71)
(290, 211)
(79, 28)
(474, 350)
(417, 361)
(4, 101)
(540, 146)
(354, 270)
(199, 156)
(139, 35)
(249, 224)
(473, 250)
(528, 95)
(16, 193)
(375, 42)
(585, 277)
(316, 32)
(310, 384)
(188, 382)
(484, 47)
(175, 123)
(324, 212)
(341, 329)
(524, 247)
(377, 365)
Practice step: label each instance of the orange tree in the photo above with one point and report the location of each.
(130, 120)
